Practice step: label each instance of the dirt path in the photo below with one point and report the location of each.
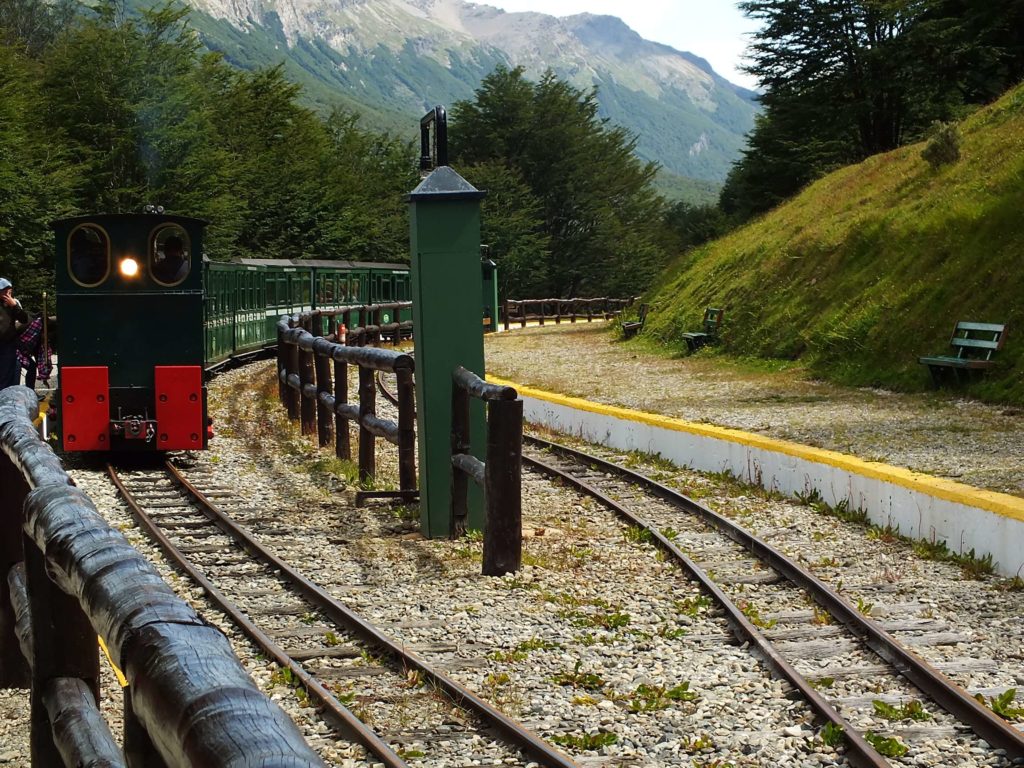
(970, 442)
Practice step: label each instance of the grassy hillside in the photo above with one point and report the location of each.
(872, 266)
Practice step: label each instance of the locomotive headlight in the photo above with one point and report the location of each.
(129, 267)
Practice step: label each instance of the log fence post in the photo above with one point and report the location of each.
(342, 437)
(406, 430)
(307, 405)
(500, 475)
(63, 645)
(323, 387)
(293, 370)
(503, 536)
(282, 367)
(14, 671)
(460, 447)
(367, 407)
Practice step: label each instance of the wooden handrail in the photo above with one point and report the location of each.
(68, 577)
(304, 371)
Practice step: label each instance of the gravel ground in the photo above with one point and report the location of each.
(570, 643)
(938, 434)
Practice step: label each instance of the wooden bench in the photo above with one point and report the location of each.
(712, 322)
(974, 344)
(633, 327)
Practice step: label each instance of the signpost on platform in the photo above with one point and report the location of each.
(489, 276)
(444, 235)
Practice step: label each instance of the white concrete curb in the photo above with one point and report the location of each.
(920, 506)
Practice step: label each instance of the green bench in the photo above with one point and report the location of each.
(633, 327)
(712, 322)
(974, 345)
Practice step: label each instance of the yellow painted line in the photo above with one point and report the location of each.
(120, 675)
(948, 490)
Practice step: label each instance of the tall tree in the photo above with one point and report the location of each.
(35, 178)
(600, 214)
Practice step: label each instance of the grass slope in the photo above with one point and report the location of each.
(871, 266)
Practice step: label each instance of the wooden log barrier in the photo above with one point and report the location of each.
(402, 433)
(539, 310)
(500, 475)
(193, 701)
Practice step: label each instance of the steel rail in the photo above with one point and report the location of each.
(348, 722)
(859, 751)
(946, 693)
(390, 396)
(517, 735)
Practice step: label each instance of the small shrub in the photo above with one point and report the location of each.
(691, 606)
(944, 146)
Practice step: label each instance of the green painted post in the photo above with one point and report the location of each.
(445, 252)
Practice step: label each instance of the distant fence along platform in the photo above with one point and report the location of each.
(541, 310)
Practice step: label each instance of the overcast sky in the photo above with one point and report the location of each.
(712, 29)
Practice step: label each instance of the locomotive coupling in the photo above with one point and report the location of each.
(134, 428)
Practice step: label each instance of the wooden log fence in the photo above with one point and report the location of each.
(318, 398)
(363, 324)
(67, 577)
(500, 474)
(541, 310)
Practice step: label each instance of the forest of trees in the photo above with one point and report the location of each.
(103, 110)
(843, 80)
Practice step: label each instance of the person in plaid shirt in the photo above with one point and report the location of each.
(11, 314)
(31, 355)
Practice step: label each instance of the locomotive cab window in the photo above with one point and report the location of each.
(88, 255)
(170, 255)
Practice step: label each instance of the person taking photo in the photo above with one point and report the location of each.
(11, 314)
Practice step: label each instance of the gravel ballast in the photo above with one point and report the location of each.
(592, 621)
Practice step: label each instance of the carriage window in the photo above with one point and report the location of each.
(170, 255)
(88, 255)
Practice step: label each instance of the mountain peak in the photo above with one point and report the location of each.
(399, 55)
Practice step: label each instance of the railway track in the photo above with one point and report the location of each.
(823, 641)
(345, 665)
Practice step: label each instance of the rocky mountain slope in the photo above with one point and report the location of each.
(393, 59)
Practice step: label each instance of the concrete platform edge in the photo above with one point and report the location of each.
(919, 505)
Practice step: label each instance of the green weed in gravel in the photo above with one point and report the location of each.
(912, 710)
(585, 741)
(1004, 704)
(886, 746)
(649, 698)
(832, 735)
(691, 606)
(588, 681)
